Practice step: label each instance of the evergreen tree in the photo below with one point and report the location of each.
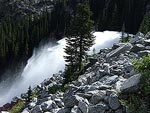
(79, 40)
(29, 94)
(145, 25)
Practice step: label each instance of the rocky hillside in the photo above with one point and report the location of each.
(109, 79)
(17, 9)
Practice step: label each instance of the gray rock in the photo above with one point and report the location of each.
(93, 92)
(75, 110)
(42, 100)
(83, 106)
(139, 34)
(84, 95)
(118, 51)
(137, 47)
(104, 87)
(48, 105)
(143, 53)
(92, 60)
(114, 102)
(111, 80)
(91, 88)
(78, 111)
(116, 45)
(37, 109)
(24, 95)
(119, 83)
(119, 111)
(131, 84)
(147, 42)
(44, 94)
(99, 108)
(96, 98)
(72, 100)
(138, 38)
(24, 111)
(64, 110)
(147, 47)
(147, 36)
(59, 103)
(31, 105)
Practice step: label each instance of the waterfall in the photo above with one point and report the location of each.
(48, 60)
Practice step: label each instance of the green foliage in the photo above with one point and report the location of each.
(125, 39)
(56, 88)
(140, 101)
(34, 94)
(79, 40)
(145, 25)
(137, 105)
(65, 87)
(18, 38)
(143, 66)
(18, 107)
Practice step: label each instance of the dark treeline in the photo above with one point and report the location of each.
(18, 37)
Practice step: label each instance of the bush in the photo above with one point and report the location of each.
(139, 102)
(34, 94)
(124, 38)
(143, 66)
(18, 107)
(56, 88)
(145, 25)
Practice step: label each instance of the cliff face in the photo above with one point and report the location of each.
(18, 9)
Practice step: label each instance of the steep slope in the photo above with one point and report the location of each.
(109, 78)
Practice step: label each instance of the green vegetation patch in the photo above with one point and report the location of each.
(139, 102)
(18, 107)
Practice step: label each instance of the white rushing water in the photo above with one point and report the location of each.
(48, 60)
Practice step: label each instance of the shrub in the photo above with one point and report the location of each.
(18, 107)
(139, 102)
(124, 38)
(34, 93)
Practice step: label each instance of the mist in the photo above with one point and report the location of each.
(46, 61)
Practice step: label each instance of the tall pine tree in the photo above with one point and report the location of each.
(79, 39)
